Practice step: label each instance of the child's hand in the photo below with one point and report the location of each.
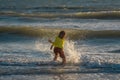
(51, 47)
(49, 41)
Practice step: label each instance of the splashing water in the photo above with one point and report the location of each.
(71, 52)
(42, 45)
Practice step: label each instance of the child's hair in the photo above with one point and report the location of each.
(61, 34)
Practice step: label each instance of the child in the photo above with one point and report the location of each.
(58, 46)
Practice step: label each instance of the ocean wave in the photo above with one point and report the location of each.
(82, 15)
(46, 7)
(61, 7)
(51, 32)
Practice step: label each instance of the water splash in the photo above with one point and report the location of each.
(71, 52)
(42, 45)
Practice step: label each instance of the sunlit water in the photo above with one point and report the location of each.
(30, 58)
(22, 56)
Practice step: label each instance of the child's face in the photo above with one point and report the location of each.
(62, 35)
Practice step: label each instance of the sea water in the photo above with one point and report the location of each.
(24, 56)
(94, 58)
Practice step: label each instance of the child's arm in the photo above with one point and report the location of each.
(50, 41)
(51, 47)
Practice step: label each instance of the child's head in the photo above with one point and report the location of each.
(61, 34)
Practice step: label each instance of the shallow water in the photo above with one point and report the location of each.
(30, 58)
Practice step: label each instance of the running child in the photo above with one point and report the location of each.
(58, 47)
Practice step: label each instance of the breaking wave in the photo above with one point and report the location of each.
(81, 15)
(51, 32)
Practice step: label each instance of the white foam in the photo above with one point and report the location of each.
(42, 45)
(90, 24)
(72, 55)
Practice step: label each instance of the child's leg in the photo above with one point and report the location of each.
(63, 57)
(55, 58)
(56, 53)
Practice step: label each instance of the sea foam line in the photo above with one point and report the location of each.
(84, 15)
